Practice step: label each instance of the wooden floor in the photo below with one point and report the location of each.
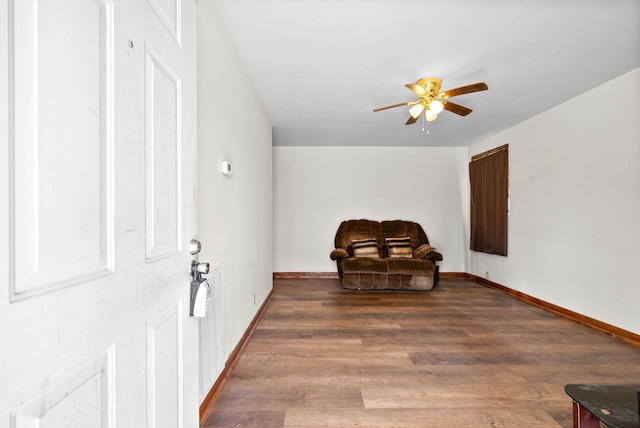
(460, 355)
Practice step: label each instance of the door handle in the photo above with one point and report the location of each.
(200, 301)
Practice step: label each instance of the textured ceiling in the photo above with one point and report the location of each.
(319, 67)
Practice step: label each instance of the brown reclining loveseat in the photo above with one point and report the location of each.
(387, 255)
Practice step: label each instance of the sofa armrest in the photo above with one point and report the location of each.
(434, 256)
(338, 253)
(426, 251)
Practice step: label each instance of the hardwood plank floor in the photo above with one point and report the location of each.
(460, 355)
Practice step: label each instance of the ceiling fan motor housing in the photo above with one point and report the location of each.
(431, 86)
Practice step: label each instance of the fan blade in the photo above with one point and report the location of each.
(417, 89)
(476, 87)
(393, 106)
(457, 108)
(411, 120)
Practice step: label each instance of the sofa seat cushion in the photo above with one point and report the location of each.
(403, 266)
(365, 265)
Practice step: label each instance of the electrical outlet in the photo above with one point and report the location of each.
(486, 274)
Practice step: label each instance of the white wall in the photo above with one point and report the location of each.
(574, 225)
(315, 188)
(234, 213)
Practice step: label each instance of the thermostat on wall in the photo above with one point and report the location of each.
(226, 168)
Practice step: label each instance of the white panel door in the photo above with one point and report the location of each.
(97, 208)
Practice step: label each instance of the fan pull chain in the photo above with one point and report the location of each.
(423, 121)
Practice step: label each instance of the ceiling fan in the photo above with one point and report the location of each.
(431, 101)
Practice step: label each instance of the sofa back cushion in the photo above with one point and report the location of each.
(355, 230)
(402, 228)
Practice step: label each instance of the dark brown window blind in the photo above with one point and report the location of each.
(489, 177)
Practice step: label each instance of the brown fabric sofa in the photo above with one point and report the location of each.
(418, 271)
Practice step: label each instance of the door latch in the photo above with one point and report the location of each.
(200, 301)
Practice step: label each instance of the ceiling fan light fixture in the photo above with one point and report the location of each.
(436, 106)
(416, 110)
(431, 101)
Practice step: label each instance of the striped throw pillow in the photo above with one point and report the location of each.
(365, 248)
(399, 247)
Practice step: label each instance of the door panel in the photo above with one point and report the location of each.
(97, 207)
(164, 368)
(164, 184)
(62, 110)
